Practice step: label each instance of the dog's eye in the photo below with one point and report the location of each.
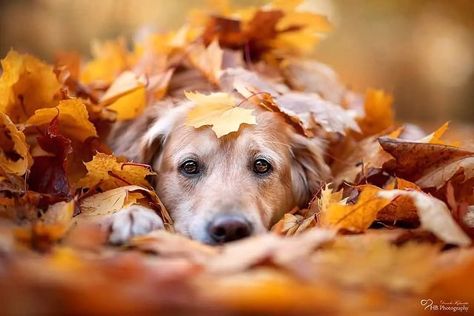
(189, 167)
(261, 166)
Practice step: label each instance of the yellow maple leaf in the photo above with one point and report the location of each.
(26, 84)
(110, 59)
(219, 111)
(129, 105)
(14, 154)
(126, 82)
(355, 217)
(379, 114)
(111, 201)
(73, 119)
(105, 172)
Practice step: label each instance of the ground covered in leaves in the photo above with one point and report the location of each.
(391, 233)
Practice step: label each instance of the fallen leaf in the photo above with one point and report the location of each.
(354, 217)
(111, 201)
(428, 165)
(48, 173)
(218, 110)
(208, 60)
(110, 59)
(50, 228)
(378, 115)
(126, 82)
(129, 105)
(14, 152)
(311, 109)
(105, 172)
(434, 216)
(26, 85)
(72, 116)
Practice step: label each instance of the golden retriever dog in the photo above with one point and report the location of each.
(217, 189)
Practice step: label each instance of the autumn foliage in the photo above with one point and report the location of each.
(394, 226)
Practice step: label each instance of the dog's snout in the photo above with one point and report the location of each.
(225, 228)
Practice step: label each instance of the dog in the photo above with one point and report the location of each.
(217, 190)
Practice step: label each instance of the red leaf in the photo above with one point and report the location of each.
(48, 173)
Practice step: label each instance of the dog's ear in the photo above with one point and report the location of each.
(142, 139)
(308, 170)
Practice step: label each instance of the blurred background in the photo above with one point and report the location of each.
(422, 51)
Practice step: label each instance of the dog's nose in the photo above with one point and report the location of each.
(226, 228)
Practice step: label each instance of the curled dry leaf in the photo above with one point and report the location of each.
(434, 216)
(428, 165)
(218, 110)
(105, 172)
(312, 110)
(49, 171)
(14, 152)
(72, 116)
(208, 60)
(26, 85)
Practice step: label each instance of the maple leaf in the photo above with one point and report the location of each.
(26, 85)
(434, 216)
(354, 217)
(126, 96)
(378, 114)
(208, 60)
(72, 116)
(14, 152)
(110, 59)
(113, 200)
(105, 172)
(48, 173)
(219, 111)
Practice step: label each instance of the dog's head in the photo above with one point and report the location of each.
(223, 189)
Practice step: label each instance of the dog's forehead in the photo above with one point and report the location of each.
(268, 134)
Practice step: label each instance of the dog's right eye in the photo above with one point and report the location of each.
(189, 167)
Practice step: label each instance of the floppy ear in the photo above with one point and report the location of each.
(142, 139)
(309, 171)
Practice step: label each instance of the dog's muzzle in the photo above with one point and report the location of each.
(228, 227)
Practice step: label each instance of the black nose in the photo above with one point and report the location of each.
(226, 228)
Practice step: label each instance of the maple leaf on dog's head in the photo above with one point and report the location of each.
(105, 172)
(218, 110)
(72, 116)
(26, 85)
(14, 152)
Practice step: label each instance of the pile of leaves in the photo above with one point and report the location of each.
(393, 227)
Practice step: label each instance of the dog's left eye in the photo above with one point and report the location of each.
(261, 166)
